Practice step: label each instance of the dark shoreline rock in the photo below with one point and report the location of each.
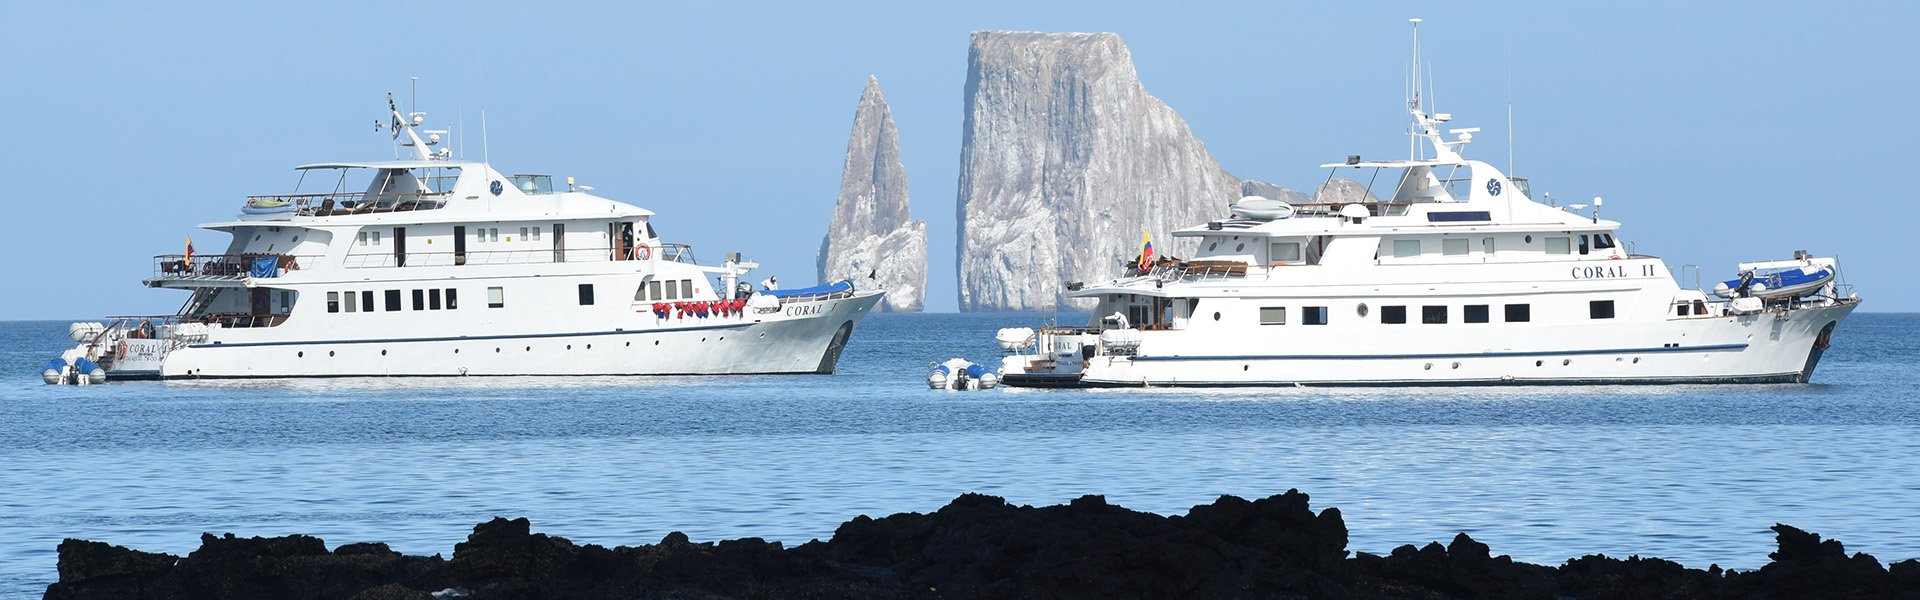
(975, 547)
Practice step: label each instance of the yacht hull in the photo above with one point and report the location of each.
(1767, 347)
(792, 340)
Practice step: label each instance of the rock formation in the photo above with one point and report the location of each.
(1255, 187)
(975, 547)
(1064, 160)
(872, 239)
(1342, 190)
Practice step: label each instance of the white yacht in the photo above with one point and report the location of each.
(1457, 276)
(436, 266)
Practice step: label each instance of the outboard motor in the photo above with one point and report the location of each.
(85, 372)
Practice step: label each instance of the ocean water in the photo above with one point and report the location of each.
(1690, 473)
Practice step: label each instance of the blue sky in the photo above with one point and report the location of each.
(1718, 132)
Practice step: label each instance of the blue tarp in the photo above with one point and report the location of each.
(265, 267)
(838, 286)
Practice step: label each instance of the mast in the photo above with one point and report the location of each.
(1413, 102)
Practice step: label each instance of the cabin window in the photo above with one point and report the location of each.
(1406, 248)
(493, 234)
(393, 300)
(653, 289)
(1600, 309)
(1558, 245)
(453, 299)
(1474, 313)
(673, 291)
(523, 235)
(1454, 246)
(1433, 315)
(433, 299)
(1519, 313)
(1603, 241)
(1393, 315)
(1486, 246)
(366, 300)
(536, 234)
(1284, 252)
(1682, 308)
(363, 238)
(1313, 315)
(352, 305)
(375, 236)
(479, 235)
(1583, 244)
(333, 302)
(419, 299)
(1273, 315)
(586, 294)
(686, 289)
(496, 297)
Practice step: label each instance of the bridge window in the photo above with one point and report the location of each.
(419, 299)
(1433, 315)
(1454, 246)
(1284, 252)
(452, 300)
(1313, 315)
(1583, 244)
(1406, 248)
(433, 299)
(333, 302)
(1558, 245)
(366, 300)
(1393, 315)
(496, 297)
(1600, 309)
(393, 300)
(1603, 241)
(1273, 315)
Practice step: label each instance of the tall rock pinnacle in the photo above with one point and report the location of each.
(1065, 159)
(872, 239)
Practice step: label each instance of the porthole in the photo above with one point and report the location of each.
(1362, 309)
(496, 350)
(1429, 366)
(383, 352)
(703, 339)
(301, 354)
(329, 354)
(1456, 365)
(1243, 367)
(589, 346)
(1636, 360)
(1538, 363)
(629, 344)
(1529, 239)
(1566, 362)
(656, 342)
(456, 350)
(529, 348)
(1216, 316)
(1240, 248)
(569, 346)
(1212, 246)
(723, 338)
(763, 335)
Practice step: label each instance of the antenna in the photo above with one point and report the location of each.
(486, 156)
(416, 93)
(1414, 102)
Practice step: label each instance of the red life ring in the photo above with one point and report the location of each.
(123, 349)
(642, 252)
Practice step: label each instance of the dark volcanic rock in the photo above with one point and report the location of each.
(975, 547)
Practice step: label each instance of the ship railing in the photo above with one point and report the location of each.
(681, 253)
(1377, 208)
(228, 267)
(1209, 270)
(354, 203)
(816, 296)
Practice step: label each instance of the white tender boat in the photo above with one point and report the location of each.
(436, 266)
(1457, 277)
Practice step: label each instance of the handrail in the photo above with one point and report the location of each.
(680, 253)
(225, 266)
(335, 203)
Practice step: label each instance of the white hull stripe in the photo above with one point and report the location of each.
(1712, 348)
(473, 337)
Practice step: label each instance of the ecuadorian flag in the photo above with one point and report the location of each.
(1146, 251)
(189, 248)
